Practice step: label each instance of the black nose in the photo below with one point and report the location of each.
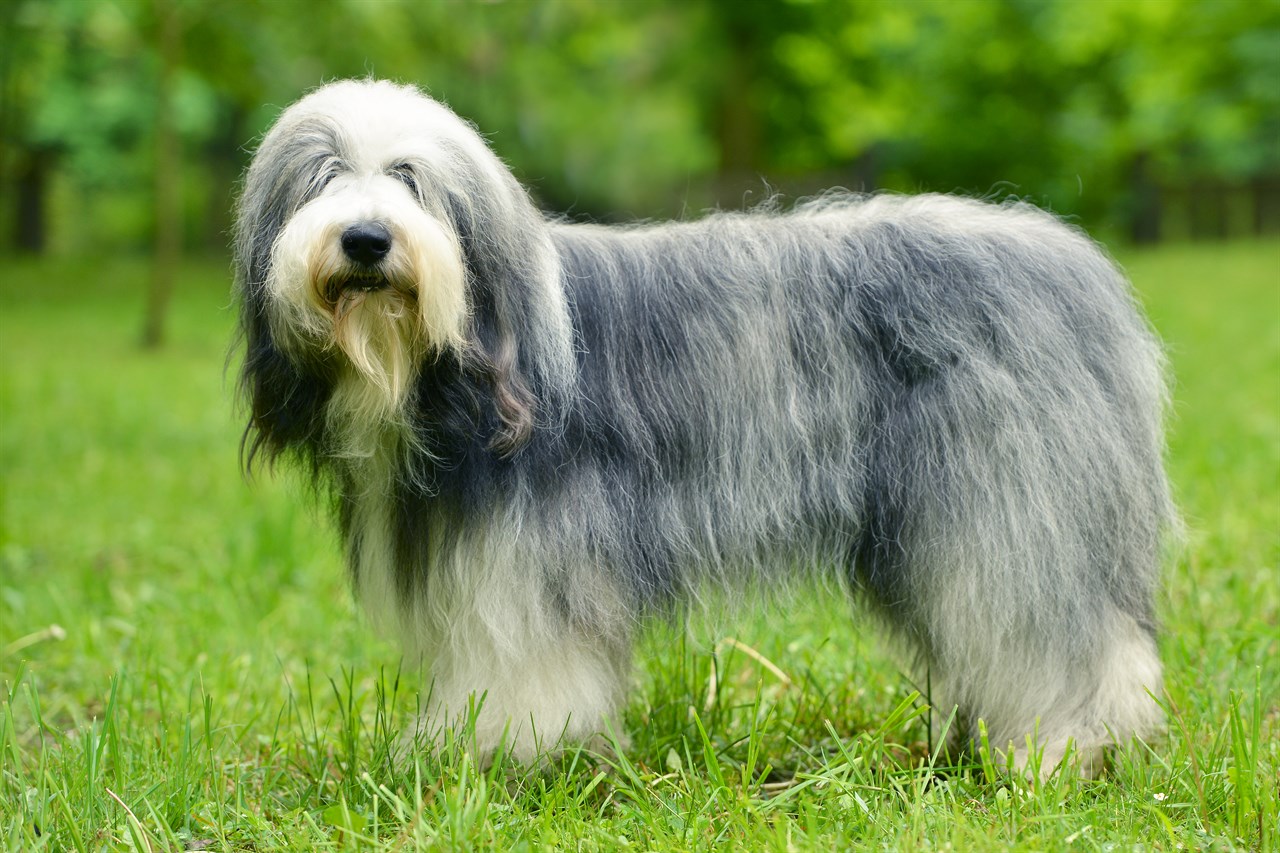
(366, 243)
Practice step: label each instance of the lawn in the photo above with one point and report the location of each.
(181, 666)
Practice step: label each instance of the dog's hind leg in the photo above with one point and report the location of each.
(1021, 562)
(1037, 704)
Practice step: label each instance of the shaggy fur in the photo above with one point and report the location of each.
(539, 432)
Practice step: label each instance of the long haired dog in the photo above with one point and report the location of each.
(540, 432)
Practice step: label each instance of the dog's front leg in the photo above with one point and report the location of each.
(532, 701)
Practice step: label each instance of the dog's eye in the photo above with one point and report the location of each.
(319, 182)
(405, 175)
(328, 171)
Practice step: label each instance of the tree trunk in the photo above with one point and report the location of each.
(866, 169)
(168, 179)
(1208, 210)
(739, 125)
(1265, 190)
(1144, 222)
(223, 163)
(31, 191)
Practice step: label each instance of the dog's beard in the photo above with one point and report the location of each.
(373, 318)
(380, 335)
(386, 320)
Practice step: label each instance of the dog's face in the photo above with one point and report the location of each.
(366, 261)
(376, 235)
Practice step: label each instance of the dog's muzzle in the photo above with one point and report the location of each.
(366, 245)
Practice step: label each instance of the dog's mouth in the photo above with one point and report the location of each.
(367, 293)
(362, 282)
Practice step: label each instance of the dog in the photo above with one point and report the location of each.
(540, 434)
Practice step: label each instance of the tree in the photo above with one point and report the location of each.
(1106, 112)
(167, 175)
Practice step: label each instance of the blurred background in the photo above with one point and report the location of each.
(126, 124)
(130, 546)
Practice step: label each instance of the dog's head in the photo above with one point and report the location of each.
(376, 235)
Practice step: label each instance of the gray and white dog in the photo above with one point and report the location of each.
(539, 433)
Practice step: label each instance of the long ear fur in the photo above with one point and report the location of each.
(514, 400)
(505, 295)
(286, 405)
(285, 400)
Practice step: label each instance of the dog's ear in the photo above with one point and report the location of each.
(286, 406)
(499, 292)
(513, 399)
(285, 402)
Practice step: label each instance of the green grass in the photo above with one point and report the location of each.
(181, 665)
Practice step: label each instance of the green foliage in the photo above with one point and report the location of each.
(208, 685)
(617, 110)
